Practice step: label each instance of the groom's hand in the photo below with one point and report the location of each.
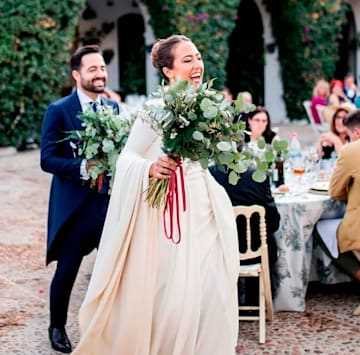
(91, 164)
(162, 168)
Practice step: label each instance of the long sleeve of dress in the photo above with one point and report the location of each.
(147, 295)
(120, 253)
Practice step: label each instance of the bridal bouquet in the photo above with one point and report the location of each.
(102, 139)
(198, 124)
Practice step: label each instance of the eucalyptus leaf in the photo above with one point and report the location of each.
(280, 145)
(204, 163)
(202, 126)
(211, 112)
(269, 156)
(259, 176)
(224, 146)
(198, 136)
(225, 158)
(205, 104)
(262, 165)
(242, 166)
(261, 143)
(233, 178)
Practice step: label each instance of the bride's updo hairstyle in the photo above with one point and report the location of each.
(162, 55)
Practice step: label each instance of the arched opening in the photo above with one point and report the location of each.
(245, 66)
(347, 47)
(131, 48)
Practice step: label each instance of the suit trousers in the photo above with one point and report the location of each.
(79, 237)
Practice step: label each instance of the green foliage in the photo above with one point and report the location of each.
(102, 138)
(306, 32)
(208, 23)
(35, 43)
(162, 17)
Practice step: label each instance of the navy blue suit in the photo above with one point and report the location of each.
(76, 212)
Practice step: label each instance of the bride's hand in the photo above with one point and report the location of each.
(162, 168)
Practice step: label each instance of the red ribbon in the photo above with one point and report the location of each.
(100, 181)
(172, 202)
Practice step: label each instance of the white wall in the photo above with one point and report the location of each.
(273, 86)
(272, 76)
(109, 14)
(152, 78)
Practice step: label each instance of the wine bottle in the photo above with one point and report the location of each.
(278, 171)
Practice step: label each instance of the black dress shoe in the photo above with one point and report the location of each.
(59, 340)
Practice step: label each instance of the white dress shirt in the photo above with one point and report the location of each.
(85, 102)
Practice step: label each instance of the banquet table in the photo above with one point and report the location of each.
(299, 261)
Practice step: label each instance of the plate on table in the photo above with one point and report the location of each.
(281, 190)
(320, 187)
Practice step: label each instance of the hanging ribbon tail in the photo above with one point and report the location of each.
(172, 203)
(182, 185)
(100, 181)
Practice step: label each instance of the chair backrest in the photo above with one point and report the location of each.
(316, 127)
(247, 212)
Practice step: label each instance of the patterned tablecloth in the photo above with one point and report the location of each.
(299, 261)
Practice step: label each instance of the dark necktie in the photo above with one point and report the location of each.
(94, 105)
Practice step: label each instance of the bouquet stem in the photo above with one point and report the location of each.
(156, 193)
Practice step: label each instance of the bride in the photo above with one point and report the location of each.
(147, 295)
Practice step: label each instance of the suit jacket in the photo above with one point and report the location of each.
(248, 192)
(345, 185)
(67, 191)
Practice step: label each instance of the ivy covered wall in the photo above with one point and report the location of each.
(306, 33)
(207, 22)
(35, 42)
(36, 38)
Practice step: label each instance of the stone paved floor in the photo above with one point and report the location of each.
(327, 326)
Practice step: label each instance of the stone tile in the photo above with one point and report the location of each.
(327, 326)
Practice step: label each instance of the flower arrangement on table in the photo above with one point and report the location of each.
(103, 137)
(199, 124)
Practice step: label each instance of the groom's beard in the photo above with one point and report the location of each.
(92, 87)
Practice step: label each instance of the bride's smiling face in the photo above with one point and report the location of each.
(187, 65)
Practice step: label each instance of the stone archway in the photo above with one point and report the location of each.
(347, 48)
(100, 14)
(245, 65)
(131, 48)
(272, 82)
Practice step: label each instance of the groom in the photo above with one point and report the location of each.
(76, 212)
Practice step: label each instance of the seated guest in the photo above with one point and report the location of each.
(337, 99)
(247, 97)
(350, 88)
(337, 96)
(227, 94)
(248, 192)
(319, 99)
(337, 137)
(258, 123)
(345, 185)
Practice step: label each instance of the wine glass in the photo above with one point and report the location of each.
(298, 170)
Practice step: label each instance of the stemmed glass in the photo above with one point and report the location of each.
(298, 168)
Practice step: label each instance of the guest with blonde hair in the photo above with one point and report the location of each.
(247, 97)
(319, 99)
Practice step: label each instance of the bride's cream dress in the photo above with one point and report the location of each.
(148, 296)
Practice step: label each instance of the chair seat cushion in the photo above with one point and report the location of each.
(250, 270)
